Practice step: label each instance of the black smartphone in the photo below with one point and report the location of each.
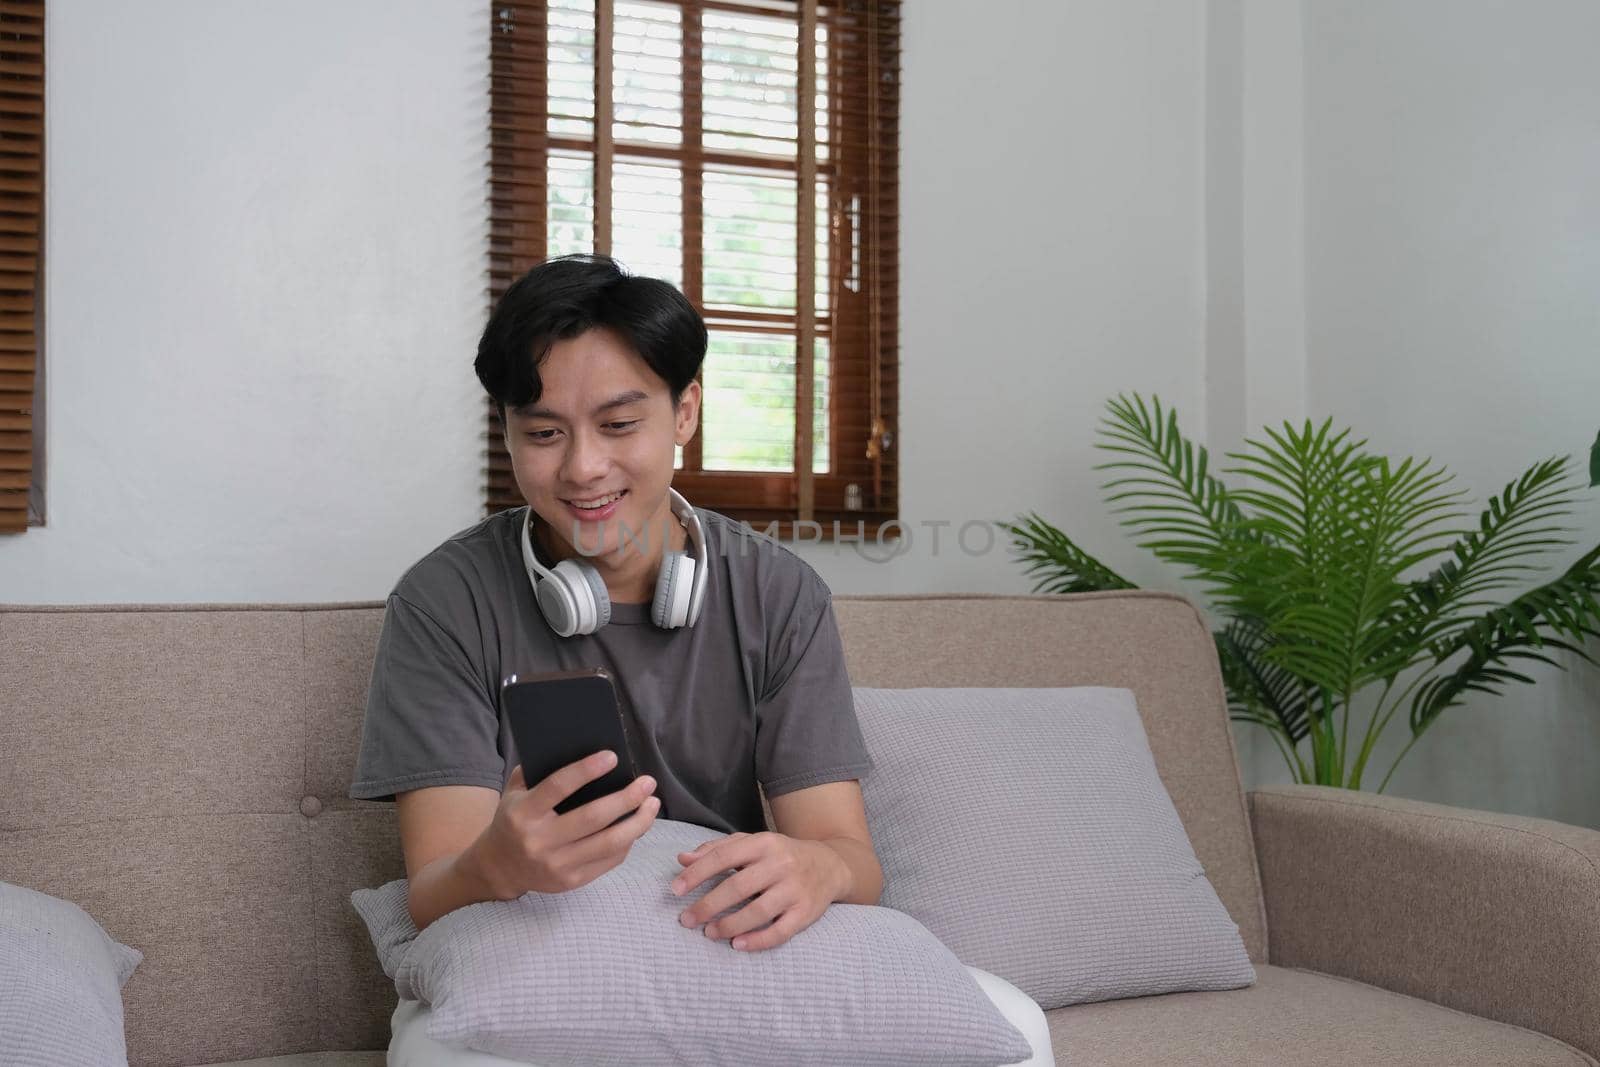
(563, 717)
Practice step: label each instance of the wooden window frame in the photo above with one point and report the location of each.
(860, 490)
(21, 273)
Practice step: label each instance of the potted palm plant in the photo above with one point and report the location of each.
(1337, 574)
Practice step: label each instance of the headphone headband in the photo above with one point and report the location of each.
(697, 542)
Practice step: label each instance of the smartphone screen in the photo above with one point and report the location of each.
(560, 718)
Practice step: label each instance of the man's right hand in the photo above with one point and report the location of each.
(528, 846)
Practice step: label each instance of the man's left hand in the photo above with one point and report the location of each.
(792, 880)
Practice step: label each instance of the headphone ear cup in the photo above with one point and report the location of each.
(661, 604)
(670, 608)
(597, 589)
(683, 590)
(586, 591)
(555, 604)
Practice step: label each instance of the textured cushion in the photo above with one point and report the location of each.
(1157, 645)
(312, 1059)
(1295, 1017)
(61, 978)
(1028, 829)
(605, 974)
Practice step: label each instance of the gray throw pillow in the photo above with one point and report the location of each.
(61, 978)
(605, 974)
(1029, 830)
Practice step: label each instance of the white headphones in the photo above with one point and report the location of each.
(572, 596)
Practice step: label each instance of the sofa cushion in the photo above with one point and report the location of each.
(1156, 645)
(1029, 830)
(61, 978)
(1295, 1017)
(312, 1059)
(605, 973)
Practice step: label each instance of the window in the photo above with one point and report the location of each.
(697, 141)
(21, 208)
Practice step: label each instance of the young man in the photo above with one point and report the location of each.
(594, 371)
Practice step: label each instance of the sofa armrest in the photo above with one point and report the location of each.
(1496, 915)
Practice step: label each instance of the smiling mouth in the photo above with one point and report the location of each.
(598, 503)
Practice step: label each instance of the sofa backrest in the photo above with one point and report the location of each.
(181, 773)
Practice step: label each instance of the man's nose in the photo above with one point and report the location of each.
(586, 460)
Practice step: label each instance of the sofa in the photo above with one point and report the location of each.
(181, 773)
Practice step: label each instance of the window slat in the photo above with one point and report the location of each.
(21, 205)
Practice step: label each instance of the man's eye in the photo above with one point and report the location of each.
(628, 425)
(541, 435)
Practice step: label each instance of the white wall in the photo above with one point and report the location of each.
(264, 276)
(1452, 153)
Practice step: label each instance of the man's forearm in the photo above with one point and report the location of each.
(865, 882)
(448, 883)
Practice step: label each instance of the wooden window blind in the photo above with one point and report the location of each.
(21, 208)
(700, 142)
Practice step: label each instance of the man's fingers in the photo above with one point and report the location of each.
(702, 846)
(600, 849)
(601, 812)
(787, 925)
(516, 783)
(566, 781)
(753, 914)
(739, 851)
(751, 882)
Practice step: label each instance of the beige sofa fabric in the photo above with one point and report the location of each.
(181, 775)
(150, 714)
(180, 772)
(339, 648)
(1291, 1018)
(1493, 914)
(313, 1059)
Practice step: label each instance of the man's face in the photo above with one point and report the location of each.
(593, 455)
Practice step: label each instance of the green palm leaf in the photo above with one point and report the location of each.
(1057, 564)
(1259, 691)
(1345, 526)
(1183, 512)
(1567, 606)
(1517, 526)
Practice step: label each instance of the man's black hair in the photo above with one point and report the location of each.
(564, 297)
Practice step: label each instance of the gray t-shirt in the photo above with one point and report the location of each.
(755, 691)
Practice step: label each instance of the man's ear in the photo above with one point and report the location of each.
(687, 416)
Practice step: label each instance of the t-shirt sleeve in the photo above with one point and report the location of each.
(429, 719)
(806, 728)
